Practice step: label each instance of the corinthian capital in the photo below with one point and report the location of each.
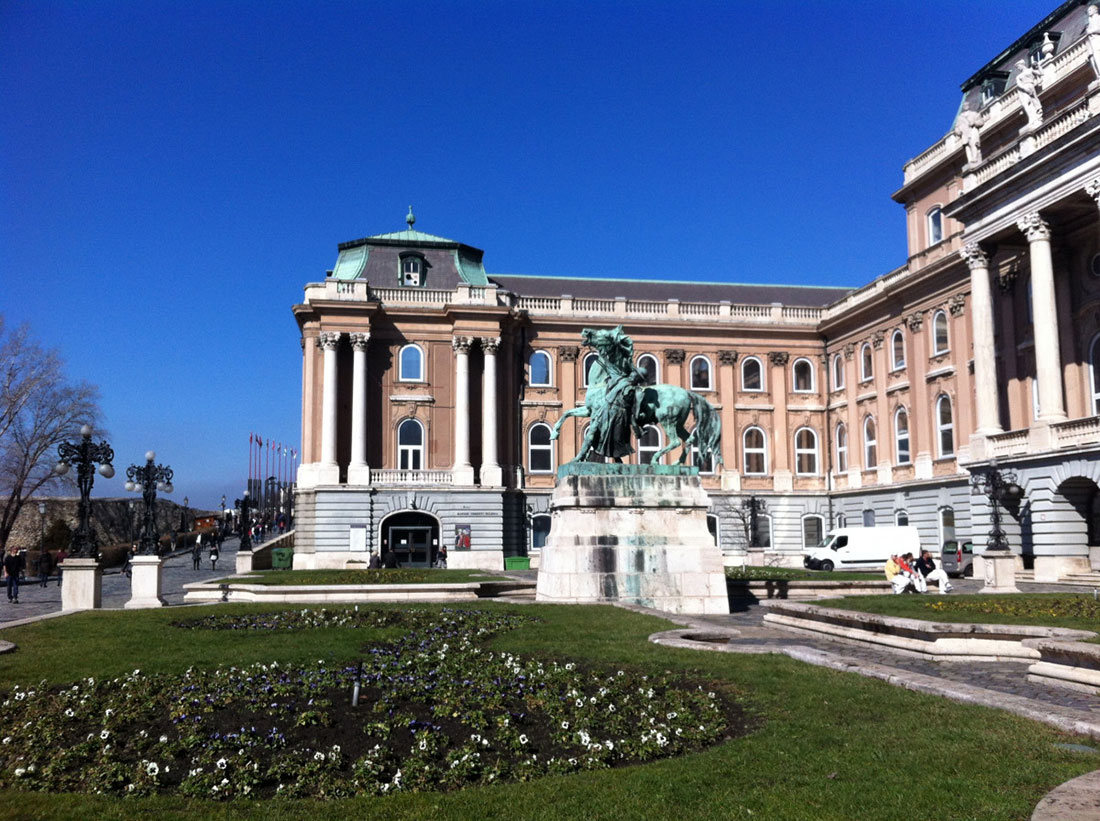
(779, 358)
(489, 344)
(359, 341)
(1034, 226)
(1093, 190)
(461, 344)
(328, 340)
(974, 256)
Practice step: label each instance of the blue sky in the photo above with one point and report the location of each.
(172, 174)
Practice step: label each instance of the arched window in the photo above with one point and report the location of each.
(752, 374)
(540, 368)
(868, 518)
(411, 364)
(901, 518)
(805, 452)
(803, 373)
(647, 364)
(700, 374)
(540, 450)
(540, 529)
(755, 448)
(841, 520)
(410, 445)
(866, 363)
(763, 535)
(838, 372)
(939, 334)
(897, 350)
(589, 361)
(842, 448)
(813, 530)
(901, 435)
(935, 226)
(412, 270)
(648, 444)
(1094, 373)
(945, 426)
(712, 528)
(947, 525)
(870, 443)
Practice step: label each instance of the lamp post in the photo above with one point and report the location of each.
(1000, 487)
(243, 506)
(221, 524)
(149, 478)
(754, 506)
(84, 455)
(183, 515)
(41, 527)
(130, 507)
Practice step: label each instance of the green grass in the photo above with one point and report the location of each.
(1071, 610)
(754, 573)
(398, 576)
(828, 745)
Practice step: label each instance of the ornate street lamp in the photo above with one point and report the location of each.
(130, 507)
(245, 523)
(755, 507)
(149, 478)
(183, 515)
(1000, 487)
(41, 527)
(85, 541)
(221, 524)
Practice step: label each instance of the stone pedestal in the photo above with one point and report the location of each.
(244, 562)
(635, 534)
(145, 583)
(81, 584)
(1000, 572)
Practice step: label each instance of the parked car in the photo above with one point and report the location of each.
(958, 558)
(862, 548)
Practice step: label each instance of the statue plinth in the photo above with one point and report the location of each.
(635, 534)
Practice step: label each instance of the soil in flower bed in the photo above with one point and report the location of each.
(437, 711)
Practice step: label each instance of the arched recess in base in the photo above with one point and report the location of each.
(413, 535)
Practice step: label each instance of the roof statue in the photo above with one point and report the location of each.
(968, 127)
(620, 403)
(1093, 32)
(1029, 82)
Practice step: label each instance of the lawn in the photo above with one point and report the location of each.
(396, 576)
(816, 747)
(1077, 611)
(755, 573)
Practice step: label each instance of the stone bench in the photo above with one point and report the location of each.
(756, 590)
(935, 640)
(1070, 664)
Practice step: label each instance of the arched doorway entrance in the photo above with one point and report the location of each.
(413, 536)
(1081, 525)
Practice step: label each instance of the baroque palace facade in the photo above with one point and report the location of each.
(430, 386)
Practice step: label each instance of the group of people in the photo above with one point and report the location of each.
(215, 551)
(904, 573)
(15, 569)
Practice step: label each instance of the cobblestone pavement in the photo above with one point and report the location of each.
(177, 571)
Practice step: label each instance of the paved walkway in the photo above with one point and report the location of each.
(35, 600)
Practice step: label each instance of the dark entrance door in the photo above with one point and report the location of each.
(414, 537)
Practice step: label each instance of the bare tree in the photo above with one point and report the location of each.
(39, 409)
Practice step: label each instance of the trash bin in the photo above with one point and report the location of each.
(282, 558)
(517, 563)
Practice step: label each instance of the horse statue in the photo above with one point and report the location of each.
(619, 402)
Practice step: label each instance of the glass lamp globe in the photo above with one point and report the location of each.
(61, 468)
(130, 487)
(107, 471)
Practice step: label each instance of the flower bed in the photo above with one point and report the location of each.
(437, 711)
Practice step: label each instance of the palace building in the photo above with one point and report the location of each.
(430, 386)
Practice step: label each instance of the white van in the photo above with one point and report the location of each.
(862, 548)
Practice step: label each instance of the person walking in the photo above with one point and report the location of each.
(196, 552)
(214, 557)
(12, 566)
(45, 566)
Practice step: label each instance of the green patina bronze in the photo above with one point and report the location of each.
(576, 468)
(620, 404)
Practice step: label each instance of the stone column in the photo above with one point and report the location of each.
(1048, 359)
(358, 471)
(491, 474)
(328, 472)
(986, 391)
(145, 583)
(782, 474)
(462, 473)
(83, 587)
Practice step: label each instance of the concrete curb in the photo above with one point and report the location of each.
(1076, 800)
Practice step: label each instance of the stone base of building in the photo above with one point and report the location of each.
(999, 571)
(635, 534)
(492, 560)
(81, 584)
(145, 577)
(1052, 568)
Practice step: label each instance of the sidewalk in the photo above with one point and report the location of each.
(35, 600)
